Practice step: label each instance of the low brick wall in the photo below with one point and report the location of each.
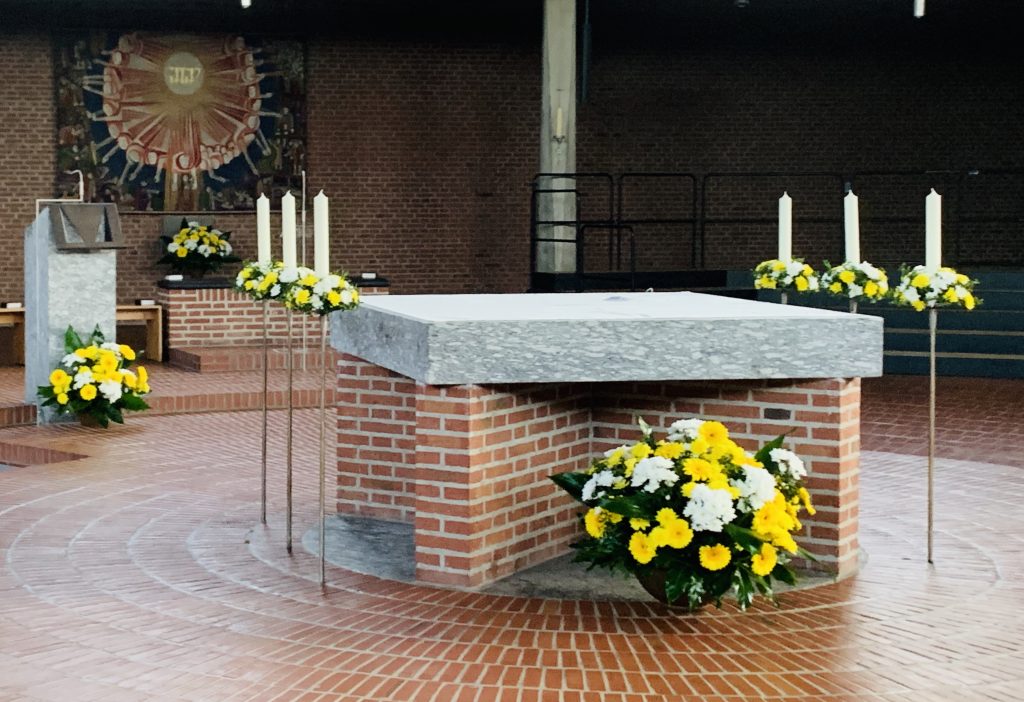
(197, 317)
(469, 464)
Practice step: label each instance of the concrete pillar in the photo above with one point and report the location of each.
(558, 135)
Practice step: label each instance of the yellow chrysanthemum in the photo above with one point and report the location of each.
(871, 289)
(89, 352)
(778, 266)
(637, 524)
(630, 464)
(847, 277)
(920, 280)
(249, 284)
(918, 305)
(130, 380)
(969, 301)
(309, 280)
(641, 548)
(807, 270)
(949, 295)
(805, 497)
(594, 523)
(713, 432)
(961, 279)
(715, 557)
(785, 542)
(764, 562)
(334, 297)
(182, 252)
(107, 360)
(687, 488)
(666, 515)
(615, 458)
(640, 450)
(59, 377)
(302, 296)
(835, 287)
(62, 398)
(670, 450)
(88, 392)
(127, 351)
(678, 534)
(699, 446)
(801, 283)
(245, 274)
(766, 283)
(699, 469)
(658, 537)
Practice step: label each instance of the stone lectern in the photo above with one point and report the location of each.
(70, 280)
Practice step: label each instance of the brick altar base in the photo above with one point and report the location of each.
(469, 464)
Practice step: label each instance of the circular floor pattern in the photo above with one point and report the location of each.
(139, 573)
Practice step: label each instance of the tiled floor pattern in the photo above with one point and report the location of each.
(140, 573)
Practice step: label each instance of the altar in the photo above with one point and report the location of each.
(453, 410)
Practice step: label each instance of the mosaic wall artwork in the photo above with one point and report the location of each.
(179, 123)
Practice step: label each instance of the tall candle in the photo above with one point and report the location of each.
(262, 229)
(851, 225)
(321, 237)
(559, 124)
(918, 8)
(288, 230)
(933, 231)
(785, 228)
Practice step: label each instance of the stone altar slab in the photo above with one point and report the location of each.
(605, 337)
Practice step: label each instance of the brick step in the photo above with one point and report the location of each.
(17, 415)
(234, 401)
(228, 359)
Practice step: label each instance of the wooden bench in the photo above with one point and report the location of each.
(150, 314)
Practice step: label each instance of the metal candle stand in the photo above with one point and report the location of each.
(263, 453)
(933, 323)
(323, 441)
(288, 443)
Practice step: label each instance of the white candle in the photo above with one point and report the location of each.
(288, 230)
(851, 224)
(262, 229)
(785, 228)
(933, 231)
(918, 8)
(559, 124)
(321, 237)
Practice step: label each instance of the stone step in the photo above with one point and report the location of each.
(227, 359)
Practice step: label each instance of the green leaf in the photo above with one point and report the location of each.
(784, 573)
(676, 582)
(764, 453)
(131, 401)
(744, 588)
(97, 337)
(626, 506)
(115, 414)
(572, 483)
(71, 340)
(804, 553)
(744, 537)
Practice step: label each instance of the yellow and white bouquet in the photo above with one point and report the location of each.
(93, 380)
(922, 289)
(308, 293)
(260, 281)
(855, 281)
(692, 516)
(785, 275)
(197, 248)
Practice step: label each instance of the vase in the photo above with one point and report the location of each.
(86, 419)
(653, 581)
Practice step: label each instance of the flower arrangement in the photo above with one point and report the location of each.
(308, 293)
(856, 280)
(780, 275)
(692, 516)
(93, 380)
(260, 281)
(922, 289)
(197, 249)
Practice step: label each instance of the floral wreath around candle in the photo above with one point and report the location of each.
(308, 293)
(780, 275)
(695, 509)
(260, 281)
(856, 281)
(93, 379)
(923, 289)
(197, 247)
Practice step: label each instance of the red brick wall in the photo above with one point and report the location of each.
(26, 147)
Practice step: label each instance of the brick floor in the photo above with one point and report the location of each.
(139, 573)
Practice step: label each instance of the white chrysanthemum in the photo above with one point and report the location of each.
(910, 293)
(190, 244)
(944, 278)
(275, 291)
(709, 509)
(788, 462)
(316, 302)
(794, 268)
(871, 271)
(225, 247)
(756, 488)
(856, 290)
(111, 389)
(288, 275)
(684, 429)
(604, 478)
(82, 378)
(71, 359)
(193, 225)
(172, 247)
(346, 296)
(650, 473)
